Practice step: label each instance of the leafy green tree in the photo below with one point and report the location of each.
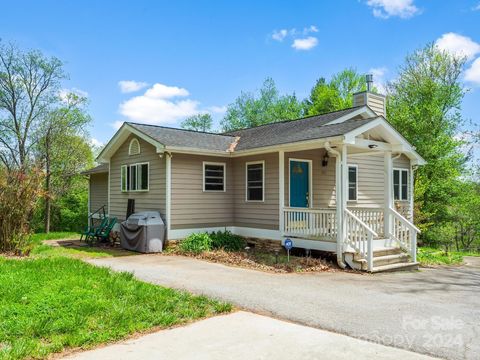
(337, 94)
(267, 106)
(63, 148)
(198, 122)
(424, 104)
(29, 84)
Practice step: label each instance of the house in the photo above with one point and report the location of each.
(340, 182)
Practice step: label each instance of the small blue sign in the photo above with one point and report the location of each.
(288, 244)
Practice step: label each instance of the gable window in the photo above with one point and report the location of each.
(400, 184)
(255, 179)
(352, 182)
(213, 176)
(134, 147)
(135, 177)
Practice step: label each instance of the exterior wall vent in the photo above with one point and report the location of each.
(134, 147)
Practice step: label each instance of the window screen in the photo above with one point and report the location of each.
(214, 177)
(255, 182)
(352, 183)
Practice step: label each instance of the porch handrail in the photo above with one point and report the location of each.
(405, 232)
(360, 236)
(309, 222)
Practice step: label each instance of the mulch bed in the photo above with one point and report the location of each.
(256, 261)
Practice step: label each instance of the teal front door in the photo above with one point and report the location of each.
(299, 184)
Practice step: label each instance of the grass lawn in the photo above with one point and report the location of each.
(39, 237)
(51, 302)
(430, 256)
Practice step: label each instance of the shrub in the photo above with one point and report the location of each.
(19, 190)
(196, 243)
(227, 241)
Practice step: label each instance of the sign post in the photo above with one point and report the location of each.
(288, 244)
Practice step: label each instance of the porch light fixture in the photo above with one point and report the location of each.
(325, 159)
(373, 146)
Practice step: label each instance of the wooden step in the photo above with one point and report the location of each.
(396, 267)
(390, 259)
(387, 251)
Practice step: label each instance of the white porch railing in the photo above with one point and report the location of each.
(310, 223)
(405, 233)
(372, 217)
(360, 237)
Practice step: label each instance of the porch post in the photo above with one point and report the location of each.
(168, 184)
(281, 191)
(411, 188)
(388, 193)
(344, 190)
(338, 198)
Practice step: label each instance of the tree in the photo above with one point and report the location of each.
(63, 148)
(198, 122)
(268, 106)
(336, 94)
(424, 104)
(29, 84)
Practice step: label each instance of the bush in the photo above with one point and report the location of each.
(196, 243)
(227, 241)
(200, 242)
(19, 190)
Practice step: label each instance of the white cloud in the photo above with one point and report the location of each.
(387, 8)
(310, 29)
(160, 105)
(280, 34)
(305, 44)
(458, 45)
(476, 7)
(472, 74)
(96, 142)
(379, 78)
(217, 109)
(160, 91)
(128, 86)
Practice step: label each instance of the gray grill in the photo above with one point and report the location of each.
(143, 232)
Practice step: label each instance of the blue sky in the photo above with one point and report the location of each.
(180, 57)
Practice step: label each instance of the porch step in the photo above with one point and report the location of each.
(390, 259)
(387, 251)
(396, 267)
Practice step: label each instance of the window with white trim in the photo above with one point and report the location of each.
(352, 182)
(400, 184)
(135, 177)
(134, 147)
(213, 176)
(255, 180)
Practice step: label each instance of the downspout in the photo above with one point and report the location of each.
(338, 167)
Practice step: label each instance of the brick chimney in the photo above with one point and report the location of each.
(376, 102)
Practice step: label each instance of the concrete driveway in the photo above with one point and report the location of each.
(433, 311)
(243, 335)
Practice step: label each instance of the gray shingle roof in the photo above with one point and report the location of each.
(313, 127)
(186, 138)
(102, 168)
(296, 130)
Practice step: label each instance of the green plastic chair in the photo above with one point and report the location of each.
(92, 230)
(103, 234)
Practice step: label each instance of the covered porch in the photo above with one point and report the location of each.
(351, 197)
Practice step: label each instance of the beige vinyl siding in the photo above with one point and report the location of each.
(191, 207)
(371, 180)
(154, 198)
(98, 191)
(262, 215)
(323, 178)
(376, 103)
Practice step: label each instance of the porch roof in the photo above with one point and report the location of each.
(102, 168)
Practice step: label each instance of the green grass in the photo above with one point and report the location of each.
(51, 303)
(430, 256)
(39, 237)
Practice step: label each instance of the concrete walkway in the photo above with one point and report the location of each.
(242, 336)
(433, 311)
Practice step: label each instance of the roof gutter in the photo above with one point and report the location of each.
(338, 170)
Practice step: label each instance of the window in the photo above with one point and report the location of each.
(400, 184)
(135, 177)
(134, 147)
(352, 182)
(213, 176)
(255, 179)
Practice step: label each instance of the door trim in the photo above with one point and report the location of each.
(310, 178)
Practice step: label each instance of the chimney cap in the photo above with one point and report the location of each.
(369, 80)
